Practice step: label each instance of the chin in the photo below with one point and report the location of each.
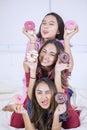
(45, 107)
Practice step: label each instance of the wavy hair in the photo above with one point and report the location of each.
(43, 118)
(41, 70)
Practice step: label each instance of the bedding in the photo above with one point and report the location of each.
(6, 98)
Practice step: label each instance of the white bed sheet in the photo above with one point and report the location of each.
(81, 101)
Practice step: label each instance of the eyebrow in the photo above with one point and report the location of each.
(42, 90)
(49, 21)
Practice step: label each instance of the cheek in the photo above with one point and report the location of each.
(52, 60)
(41, 29)
(38, 98)
(41, 57)
(49, 97)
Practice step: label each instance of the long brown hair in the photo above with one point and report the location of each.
(42, 72)
(43, 118)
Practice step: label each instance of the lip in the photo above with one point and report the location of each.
(45, 60)
(45, 103)
(45, 32)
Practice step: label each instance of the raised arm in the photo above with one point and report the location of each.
(67, 38)
(30, 67)
(60, 109)
(27, 122)
(58, 68)
(31, 37)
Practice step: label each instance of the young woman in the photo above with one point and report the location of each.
(45, 112)
(52, 26)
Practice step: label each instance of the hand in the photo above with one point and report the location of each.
(61, 66)
(31, 35)
(31, 65)
(20, 109)
(67, 36)
(60, 109)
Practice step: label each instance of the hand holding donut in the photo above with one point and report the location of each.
(29, 31)
(60, 109)
(61, 66)
(70, 26)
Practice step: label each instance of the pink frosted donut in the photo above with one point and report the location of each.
(64, 57)
(18, 99)
(60, 98)
(70, 25)
(29, 25)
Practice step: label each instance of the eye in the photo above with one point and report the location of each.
(48, 92)
(39, 92)
(51, 24)
(43, 23)
(52, 54)
(43, 51)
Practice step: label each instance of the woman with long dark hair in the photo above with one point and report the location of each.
(45, 111)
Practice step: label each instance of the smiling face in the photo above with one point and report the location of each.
(48, 55)
(49, 27)
(43, 95)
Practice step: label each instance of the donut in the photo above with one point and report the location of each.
(70, 26)
(32, 55)
(29, 25)
(18, 99)
(64, 57)
(60, 98)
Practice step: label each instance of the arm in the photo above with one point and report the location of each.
(56, 124)
(30, 67)
(32, 38)
(27, 122)
(58, 68)
(21, 110)
(67, 37)
(31, 83)
(61, 108)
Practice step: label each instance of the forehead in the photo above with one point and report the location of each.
(49, 18)
(42, 86)
(50, 47)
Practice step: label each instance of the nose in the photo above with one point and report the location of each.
(46, 56)
(45, 25)
(43, 96)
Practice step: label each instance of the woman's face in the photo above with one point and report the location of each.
(49, 27)
(47, 55)
(43, 95)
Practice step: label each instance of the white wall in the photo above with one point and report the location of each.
(75, 10)
(13, 14)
